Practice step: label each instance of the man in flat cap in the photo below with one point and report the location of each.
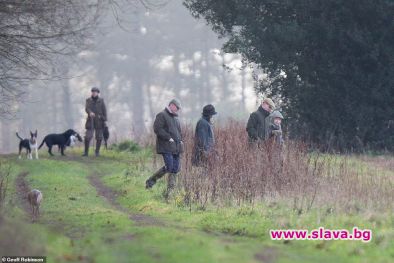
(259, 121)
(95, 122)
(169, 144)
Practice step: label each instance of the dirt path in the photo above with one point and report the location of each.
(22, 188)
(111, 195)
(266, 255)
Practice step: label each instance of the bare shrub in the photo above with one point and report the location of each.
(38, 37)
(5, 169)
(18, 238)
(240, 173)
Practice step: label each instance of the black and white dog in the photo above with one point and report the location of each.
(28, 144)
(60, 140)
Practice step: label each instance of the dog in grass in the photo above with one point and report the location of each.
(61, 140)
(28, 144)
(34, 197)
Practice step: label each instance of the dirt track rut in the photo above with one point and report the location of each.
(111, 195)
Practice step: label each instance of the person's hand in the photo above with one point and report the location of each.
(92, 114)
(172, 140)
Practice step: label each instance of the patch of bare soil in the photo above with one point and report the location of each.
(22, 188)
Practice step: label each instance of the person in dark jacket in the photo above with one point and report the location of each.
(95, 122)
(168, 143)
(259, 121)
(204, 138)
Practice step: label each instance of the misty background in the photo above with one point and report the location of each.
(139, 62)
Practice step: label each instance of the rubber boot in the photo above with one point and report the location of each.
(171, 183)
(86, 152)
(157, 175)
(98, 145)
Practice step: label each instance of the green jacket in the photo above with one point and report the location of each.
(99, 109)
(167, 126)
(258, 125)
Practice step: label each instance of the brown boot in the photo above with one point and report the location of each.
(86, 152)
(171, 183)
(157, 175)
(98, 145)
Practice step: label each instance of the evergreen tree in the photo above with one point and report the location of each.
(330, 61)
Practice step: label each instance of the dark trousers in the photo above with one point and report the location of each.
(172, 162)
(89, 134)
(172, 167)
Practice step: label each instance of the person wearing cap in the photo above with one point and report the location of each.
(204, 139)
(169, 144)
(95, 122)
(259, 121)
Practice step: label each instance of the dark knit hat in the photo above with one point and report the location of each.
(209, 110)
(95, 89)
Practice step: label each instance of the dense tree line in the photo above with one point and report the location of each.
(330, 62)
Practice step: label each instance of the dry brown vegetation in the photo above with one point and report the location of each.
(5, 169)
(238, 174)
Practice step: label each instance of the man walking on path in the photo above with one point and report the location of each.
(259, 121)
(95, 122)
(169, 144)
(204, 138)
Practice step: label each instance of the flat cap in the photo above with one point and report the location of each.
(270, 102)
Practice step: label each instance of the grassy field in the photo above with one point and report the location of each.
(97, 210)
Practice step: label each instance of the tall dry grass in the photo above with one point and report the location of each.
(5, 170)
(238, 173)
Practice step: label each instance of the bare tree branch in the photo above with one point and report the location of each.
(34, 35)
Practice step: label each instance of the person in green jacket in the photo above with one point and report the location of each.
(259, 121)
(96, 120)
(168, 143)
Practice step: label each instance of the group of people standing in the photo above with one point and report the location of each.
(263, 124)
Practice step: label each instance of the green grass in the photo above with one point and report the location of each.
(77, 224)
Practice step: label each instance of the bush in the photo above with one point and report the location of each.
(5, 169)
(238, 173)
(17, 238)
(126, 146)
